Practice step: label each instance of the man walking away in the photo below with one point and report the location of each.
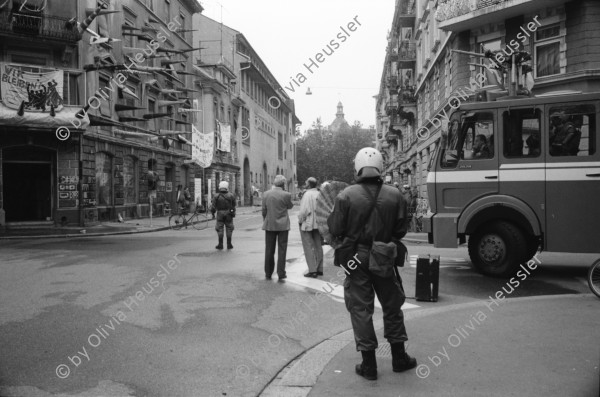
(223, 203)
(276, 224)
(309, 232)
(364, 213)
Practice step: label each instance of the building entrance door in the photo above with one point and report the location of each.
(27, 191)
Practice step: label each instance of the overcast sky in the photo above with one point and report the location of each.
(287, 33)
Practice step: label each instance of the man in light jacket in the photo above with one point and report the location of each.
(276, 224)
(311, 238)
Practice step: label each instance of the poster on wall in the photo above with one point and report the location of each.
(33, 91)
(198, 191)
(202, 147)
(224, 137)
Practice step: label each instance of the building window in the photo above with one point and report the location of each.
(167, 10)
(436, 88)
(103, 179)
(105, 105)
(128, 39)
(169, 120)
(183, 26)
(490, 77)
(280, 145)
(130, 180)
(130, 100)
(448, 77)
(151, 110)
(547, 50)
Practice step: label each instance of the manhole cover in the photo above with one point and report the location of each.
(196, 254)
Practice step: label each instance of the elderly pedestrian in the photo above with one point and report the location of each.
(309, 232)
(366, 213)
(223, 203)
(276, 224)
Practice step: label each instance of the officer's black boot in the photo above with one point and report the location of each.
(220, 246)
(401, 361)
(229, 246)
(368, 368)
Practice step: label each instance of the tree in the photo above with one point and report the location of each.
(328, 155)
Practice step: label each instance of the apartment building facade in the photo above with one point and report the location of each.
(105, 81)
(564, 49)
(261, 114)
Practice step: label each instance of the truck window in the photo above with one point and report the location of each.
(522, 133)
(471, 139)
(572, 130)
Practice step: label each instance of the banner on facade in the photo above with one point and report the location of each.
(202, 147)
(35, 91)
(224, 137)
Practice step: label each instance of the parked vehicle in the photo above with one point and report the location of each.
(514, 176)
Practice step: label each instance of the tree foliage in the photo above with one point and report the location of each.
(328, 155)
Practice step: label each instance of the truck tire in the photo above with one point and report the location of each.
(533, 245)
(496, 249)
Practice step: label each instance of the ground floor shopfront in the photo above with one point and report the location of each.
(86, 178)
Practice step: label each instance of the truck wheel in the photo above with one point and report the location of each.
(497, 249)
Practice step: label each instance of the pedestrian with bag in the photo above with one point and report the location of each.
(371, 219)
(276, 224)
(223, 203)
(309, 232)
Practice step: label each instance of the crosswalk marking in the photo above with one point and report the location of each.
(295, 274)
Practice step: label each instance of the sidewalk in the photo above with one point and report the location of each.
(130, 226)
(537, 346)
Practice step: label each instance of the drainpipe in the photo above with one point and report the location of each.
(81, 217)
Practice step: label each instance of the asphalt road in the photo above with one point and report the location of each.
(165, 314)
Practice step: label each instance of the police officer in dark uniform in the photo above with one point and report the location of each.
(350, 220)
(223, 203)
(564, 137)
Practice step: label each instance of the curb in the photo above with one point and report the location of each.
(85, 234)
(71, 235)
(301, 374)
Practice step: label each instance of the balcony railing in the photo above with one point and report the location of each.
(406, 95)
(449, 9)
(407, 50)
(392, 81)
(37, 25)
(407, 7)
(391, 106)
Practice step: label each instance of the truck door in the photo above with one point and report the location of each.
(572, 177)
(469, 164)
(522, 165)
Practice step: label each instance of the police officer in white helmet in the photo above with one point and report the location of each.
(223, 203)
(366, 215)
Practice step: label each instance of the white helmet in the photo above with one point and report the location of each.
(224, 185)
(368, 157)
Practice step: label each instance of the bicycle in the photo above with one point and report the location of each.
(593, 278)
(199, 219)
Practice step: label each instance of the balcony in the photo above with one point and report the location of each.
(407, 97)
(391, 107)
(407, 52)
(461, 15)
(37, 25)
(407, 7)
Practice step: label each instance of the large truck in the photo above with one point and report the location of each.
(514, 176)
